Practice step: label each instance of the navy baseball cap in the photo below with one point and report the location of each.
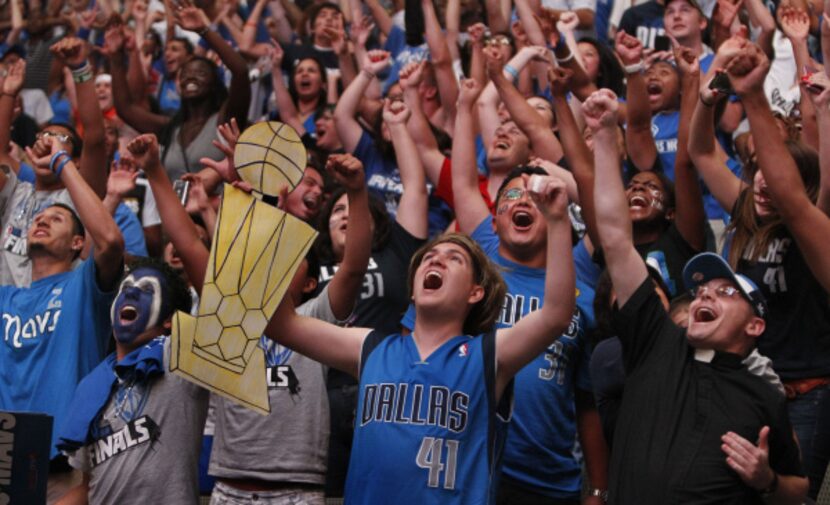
(707, 266)
(5, 50)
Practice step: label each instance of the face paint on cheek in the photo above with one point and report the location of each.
(657, 199)
(502, 209)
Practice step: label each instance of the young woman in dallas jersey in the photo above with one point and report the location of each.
(426, 418)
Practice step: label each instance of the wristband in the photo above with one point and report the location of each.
(772, 488)
(55, 158)
(206, 29)
(62, 164)
(82, 73)
(512, 71)
(636, 68)
(602, 494)
(566, 59)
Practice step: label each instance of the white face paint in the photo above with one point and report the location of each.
(657, 199)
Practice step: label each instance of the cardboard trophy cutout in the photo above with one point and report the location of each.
(256, 250)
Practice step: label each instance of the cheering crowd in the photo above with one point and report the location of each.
(569, 251)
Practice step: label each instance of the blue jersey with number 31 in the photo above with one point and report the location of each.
(426, 430)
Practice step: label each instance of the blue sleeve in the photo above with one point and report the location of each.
(100, 302)
(26, 173)
(408, 319)
(366, 152)
(130, 227)
(396, 41)
(486, 237)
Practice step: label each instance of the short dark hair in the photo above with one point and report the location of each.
(315, 10)
(179, 293)
(188, 46)
(77, 142)
(77, 225)
(516, 173)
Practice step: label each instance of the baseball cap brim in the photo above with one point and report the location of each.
(707, 266)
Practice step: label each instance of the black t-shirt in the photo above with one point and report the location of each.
(644, 21)
(670, 252)
(797, 337)
(294, 53)
(383, 299)
(676, 407)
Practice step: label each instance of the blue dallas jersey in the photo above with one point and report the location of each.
(541, 440)
(426, 431)
(54, 333)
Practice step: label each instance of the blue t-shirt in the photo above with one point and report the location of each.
(401, 54)
(132, 231)
(425, 428)
(55, 332)
(539, 452)
(384, 180)
(61, 108)
(168, 97)
(664, 128)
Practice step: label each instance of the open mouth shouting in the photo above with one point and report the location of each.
(654, 89)
(433, 280)
(522, 219)
(704, 314)
(638, 202)
(127, 315)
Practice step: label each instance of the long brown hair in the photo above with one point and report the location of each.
(482, 316)
(750, 236)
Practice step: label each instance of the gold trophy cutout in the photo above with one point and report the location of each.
(256, 250)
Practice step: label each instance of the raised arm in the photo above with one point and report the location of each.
(441, 60)
(12, 84)
(418, 125)
(518, 345)
(477, 70)
(809, 226)
(108, 244)
(470, 209)
(348, 128)
(821, 103)
(689, 213)
(175, 221)
(488, 102)
(638, 138)
(285, 104)
(93, 163)
(796, 26)
(236, 106)
(128, 110)
(381, 17)
(345, 287)
(412, 209)
(704, 150)
(542, 140)
(577, 154)
(624, 263)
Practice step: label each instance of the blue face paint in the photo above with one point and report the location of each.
(143, 302)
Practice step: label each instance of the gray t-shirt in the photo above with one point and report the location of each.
(146, 448)
(291, 443)
(179, 161)
(20, 203)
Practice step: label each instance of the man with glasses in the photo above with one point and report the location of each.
(28, 189)
(695, 426)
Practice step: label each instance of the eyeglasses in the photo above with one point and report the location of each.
(60, 136)
(724, 291)
(497, 41)
(513, 194)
